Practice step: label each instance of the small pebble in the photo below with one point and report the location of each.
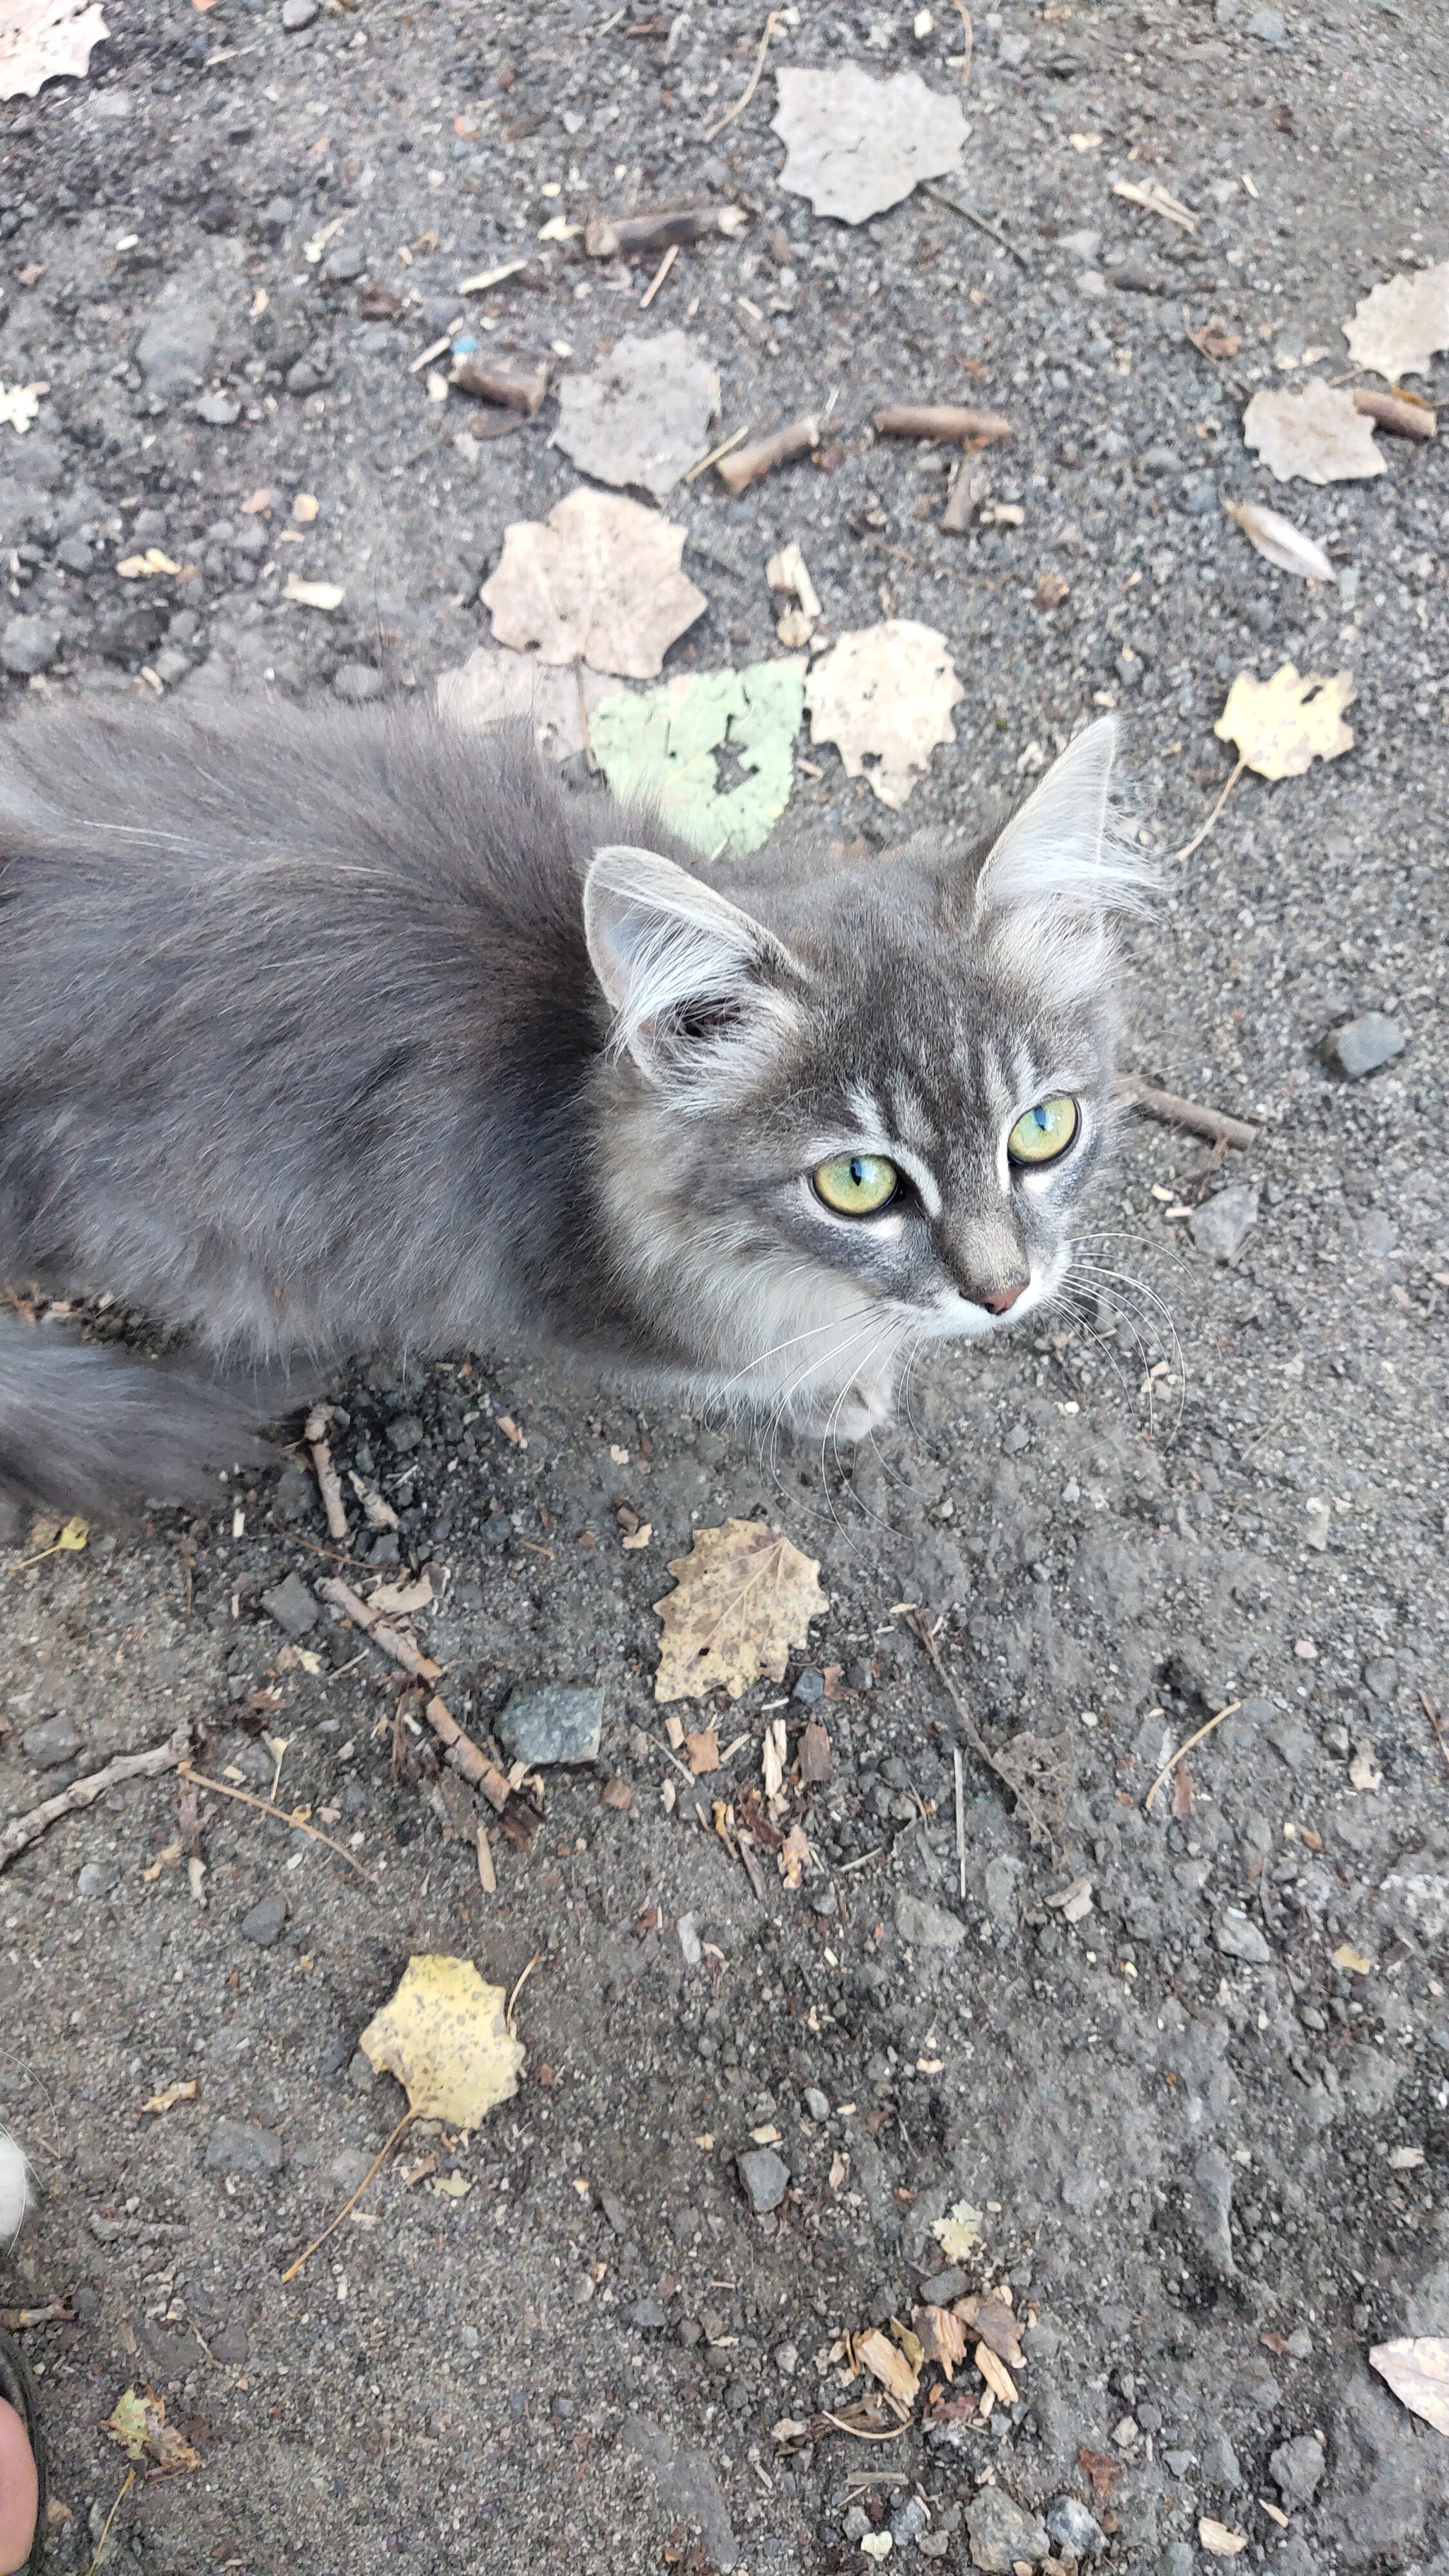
(1362, 1045)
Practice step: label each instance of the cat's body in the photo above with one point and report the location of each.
(326, 1034)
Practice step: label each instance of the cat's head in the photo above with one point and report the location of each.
(855, 1104)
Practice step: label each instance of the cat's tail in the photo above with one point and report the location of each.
(85, 1428)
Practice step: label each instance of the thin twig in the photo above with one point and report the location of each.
(248, 1798)
(390, 1641)
(659, 276)
(953, 205)
(970, 40)
(1170, 1765)
(855, 2433)
(1198, 838)
(916, 1621)
(293, 2269)
(110, 2518)
(15, 2320)
(724, 448)
(773, 25)
(22, 1831)
(960, 1770)
(1174, 1111)
(1432, 1714)
(518, 1989)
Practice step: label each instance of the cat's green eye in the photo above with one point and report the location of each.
(856, 1184)
(1043, 1133)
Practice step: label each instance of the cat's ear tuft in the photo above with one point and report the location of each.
(680, 967)
(1059, 853)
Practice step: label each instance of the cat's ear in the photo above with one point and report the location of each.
(680, 967)
(1059, 855)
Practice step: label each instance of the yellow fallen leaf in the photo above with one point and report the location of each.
(173, 2094)
(876, 2353)
(996, 2375)
(325, 595)
(445, 2039)
(744, 1596)
(959, 2232)
(74, 1535)
(453, 2186)
(1417, 2370)
(1345, 1956)
(138, 2424)
(1281, 725)
(141, 567)
(1218, 2541)
(910, 2344)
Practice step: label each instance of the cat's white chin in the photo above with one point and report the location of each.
(14, 2190)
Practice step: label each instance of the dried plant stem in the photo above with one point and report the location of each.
(1174, 1111)
(518, 1989)
(1198, 838)
(248, 1798)
(917, 1622)
(390, 1641)
(659, 276)
(856, 2434)
(130, 2481)
(1170, 1765)
(773, 25)
(293, 2269)
(15, 2320)
(22, 1831)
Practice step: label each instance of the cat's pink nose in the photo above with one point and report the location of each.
(1004, 1299)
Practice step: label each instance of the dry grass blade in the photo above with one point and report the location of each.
(352, 2200)
(249, 1798)
(773, 24)
(1033, 1767)
(1170, 1765)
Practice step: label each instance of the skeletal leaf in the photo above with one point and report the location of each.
(886, 2362)
(959, 2232)
(1283, 724)
(1397, 328)
(138, 2423)
(1218, 2541)
(643, 417)
(885, 695)
(744, 1596)
(1417, 2370)
(857, 145)
(445, 2038)
(495, 687)
(661, 745)
(1282, 543)
(1318, 435)
(43, 40)
(599, 578)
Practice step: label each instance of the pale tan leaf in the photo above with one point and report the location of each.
(495, 687)
(703, 1751)
(643, 417)
(793, 1855)
(19, 405)
(1283, 724)
(942, 2337)
(1345, 1956)
(401, 1600)
(43, 40)
(1397, 327)
(1282, 543)
(138, 2424)
(855, 145)
(173, 2094)
(599, 578)
(445, 2038)
(886, 2362)
(959, 2232)
(885, 695)
(1318, 435)
(1218, 2541)
(1417, 2370)
(744, 1597)
(995, 2373)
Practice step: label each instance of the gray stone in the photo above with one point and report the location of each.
(1381, 1677)
(1070, 2526)
(1296, 2469)
(357, 684)
(219, 411)
(1362, 1045)
(688, 2487)
(291, 1604)
(928, 1927)
(1238, 1938)
(361, 2073)
(404, 1433)
(1003, 1878)
(1199, 498)
(95, 1879)
(1179, 2558)
(175, 344)
(1220, 2464)
(1269, 26)
(908, 2522)
(28, 645)
(1082, 245)
(649, 2314)
(553, 1723)
(1001, 2534)
(1390, 2475)
(1209, 2203)
(297, 14)
(810, 1686)
(342, 266)
(75, 555)
(766, 2179)
(943, 2287)
(1221, 1226)
(816, 2102)
(55, 1740)
(243, 2147)
(231, 2344)
(265, 1921)
(304, 378)
(1291, 1742)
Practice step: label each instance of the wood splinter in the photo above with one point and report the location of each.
(525, 394)
(953, 421)
(751, 464)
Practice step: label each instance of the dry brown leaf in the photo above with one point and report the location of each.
(644, 416)
(1282, 543)
(1103, 2468)
(816, 1759)
(943, 2337)
(173, 2094)
(744, 1595)
(495, 687)
(886, 2362)
(1218, 2541)
(793, 1855)
(138, 2423)
(1396, 329)
(1283, 724)
(703, 1751)
(600, 579)
(885, 695)
(43, 40)
(1318, 435)
(994, 2323)
(445, 2038)
(995, 2373)
(855, 145)
(1417, 2370)
(1345, 1956)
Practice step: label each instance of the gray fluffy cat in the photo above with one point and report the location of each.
(326, 1034)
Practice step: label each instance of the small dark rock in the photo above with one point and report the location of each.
(553, 1723)
(766, 2179)
(1296, 2469)
(1070, 2526)
(357, 684)
(265, 1922)
(28, 645)
(649, 2314)
(55, 1740)
(404, 1433)
(291, 1604)
(243, 2147)
(1002, 2535)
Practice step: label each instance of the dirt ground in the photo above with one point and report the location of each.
(1205, 2124)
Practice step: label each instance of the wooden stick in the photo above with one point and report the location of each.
(773, 25)
(1399, 418)
(726, 444)
(942, 420)
(376, 1630)
(1173, 1112)
(606, 239)
(750, 464)
(487, 1875)
(463, 1755)
(15, 2320)
(472, 375)
(967, 491)
(659, 276)
(22, 1831)
(960, 1770)
(1173, 1759)
(329, 1484)
(248, 1798)
(293, 2269)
